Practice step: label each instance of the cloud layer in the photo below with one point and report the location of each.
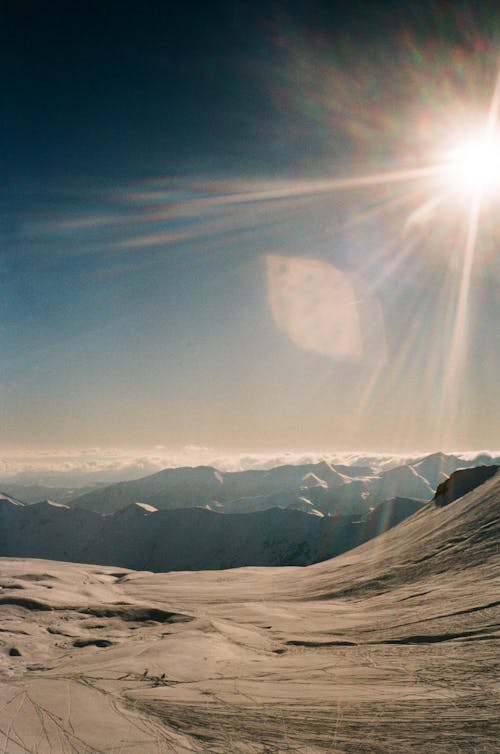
(96, 466)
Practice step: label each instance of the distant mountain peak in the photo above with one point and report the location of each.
(312, 480)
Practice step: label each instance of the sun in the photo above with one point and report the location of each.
(474, 165)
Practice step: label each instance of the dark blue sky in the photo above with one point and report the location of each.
(151, 157)
(103, 89)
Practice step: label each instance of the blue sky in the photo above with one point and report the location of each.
(156, 161)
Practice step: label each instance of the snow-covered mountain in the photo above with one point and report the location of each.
(437, 467)
(352, 485)
(392, 647)
(141, 537)
(328, 489)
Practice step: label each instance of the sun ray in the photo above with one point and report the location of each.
(458, 344)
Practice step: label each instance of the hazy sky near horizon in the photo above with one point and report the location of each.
(187, 256)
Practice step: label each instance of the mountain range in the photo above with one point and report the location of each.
(328, 486)
(143, 538)
(322, 486)
(389, 648)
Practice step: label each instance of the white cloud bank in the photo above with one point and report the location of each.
(70, 468)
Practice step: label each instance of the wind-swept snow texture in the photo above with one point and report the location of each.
(390, 648)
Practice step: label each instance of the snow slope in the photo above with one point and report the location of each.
(388, 649)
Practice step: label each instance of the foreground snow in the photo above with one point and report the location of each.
(390, 648)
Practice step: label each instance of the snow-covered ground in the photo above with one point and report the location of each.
(388, 649)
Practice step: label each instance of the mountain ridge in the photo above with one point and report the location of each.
(388, 648)
(329, 489)
(142, 537)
